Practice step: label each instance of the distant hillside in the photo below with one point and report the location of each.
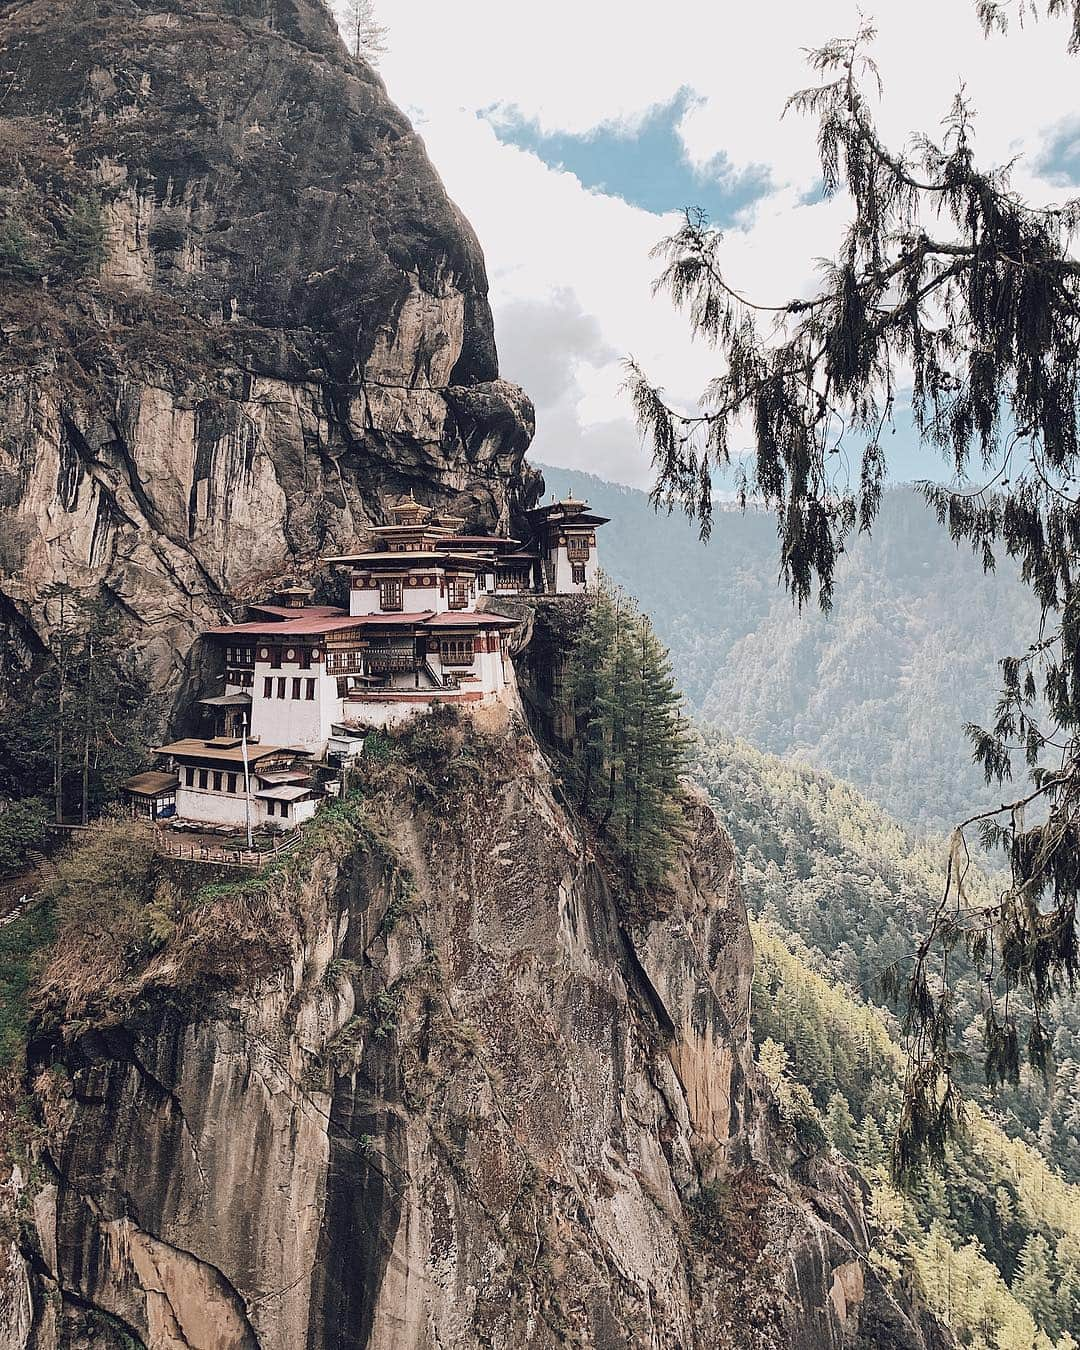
(839, 892)
(878, 691)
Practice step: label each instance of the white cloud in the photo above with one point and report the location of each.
(570, 267)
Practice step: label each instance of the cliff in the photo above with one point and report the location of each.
(430, 1086)
(431, 1081)
(237, 312)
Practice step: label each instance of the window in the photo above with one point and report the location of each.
(284, 807)
(189, 777)
(309, 690)
(577, 573)
(339, 662)
(458, 593)
(389, 594)
(204, 778)
(281, 686)
(457, 652)
(217, 780)
(296, 688)
(577, 547)
(268, 686)
(511, 579)
(231, 781)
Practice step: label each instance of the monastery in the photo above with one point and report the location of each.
(304, 683)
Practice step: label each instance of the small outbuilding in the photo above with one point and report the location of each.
(151, 795)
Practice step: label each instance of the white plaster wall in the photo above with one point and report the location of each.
(294, 721)
(227, 808)
(218, 808)
(414, 600)
(489, 667)
(403, 679)
(388, 714)
(564, 583)
(487, 672)
(298, 813)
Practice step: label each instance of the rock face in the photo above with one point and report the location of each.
(478, 1107)
(285, 326)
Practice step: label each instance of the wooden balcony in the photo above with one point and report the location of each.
(390, 662)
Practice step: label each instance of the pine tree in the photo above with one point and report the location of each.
(89, 715)
(365, 35)
(1034, 1284)
(80, 250)
(840, 1126)
(18, 256)
(870, 1148)
(629, 743)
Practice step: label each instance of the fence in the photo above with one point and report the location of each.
(185, 851)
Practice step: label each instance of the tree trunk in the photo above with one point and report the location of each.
(58, 761)
(88, 715)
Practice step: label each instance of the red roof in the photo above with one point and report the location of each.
(495, 540)
(379, 620)
(289, 627)
(306, 626)
(301, 612)
(470, 619)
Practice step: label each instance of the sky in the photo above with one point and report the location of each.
(573, 134)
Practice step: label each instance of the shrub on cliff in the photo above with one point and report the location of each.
(23, 826)
(80, 248)
(18, 257)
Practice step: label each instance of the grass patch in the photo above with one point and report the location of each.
(22, 947)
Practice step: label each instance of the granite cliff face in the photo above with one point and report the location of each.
(473, 1105)
(288, 325)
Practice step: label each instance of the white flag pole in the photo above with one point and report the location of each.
(247, 780)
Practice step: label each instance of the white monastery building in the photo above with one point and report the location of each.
(306, 682)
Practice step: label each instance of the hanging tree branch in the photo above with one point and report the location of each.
(948, 282)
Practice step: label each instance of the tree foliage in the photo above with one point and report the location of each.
(79, 250)
(23, 829)
(628, 743)
(994, 1239)
(18, 256)
(948, 281)
(364, 33)
(821, 861)
(84, 722)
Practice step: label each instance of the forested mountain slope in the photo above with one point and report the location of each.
(994, 1241)
(825, 864)
(840, 892)
(876, 692)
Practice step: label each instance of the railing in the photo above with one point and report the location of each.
(448, 681)
(384, 662)
(222, 857)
